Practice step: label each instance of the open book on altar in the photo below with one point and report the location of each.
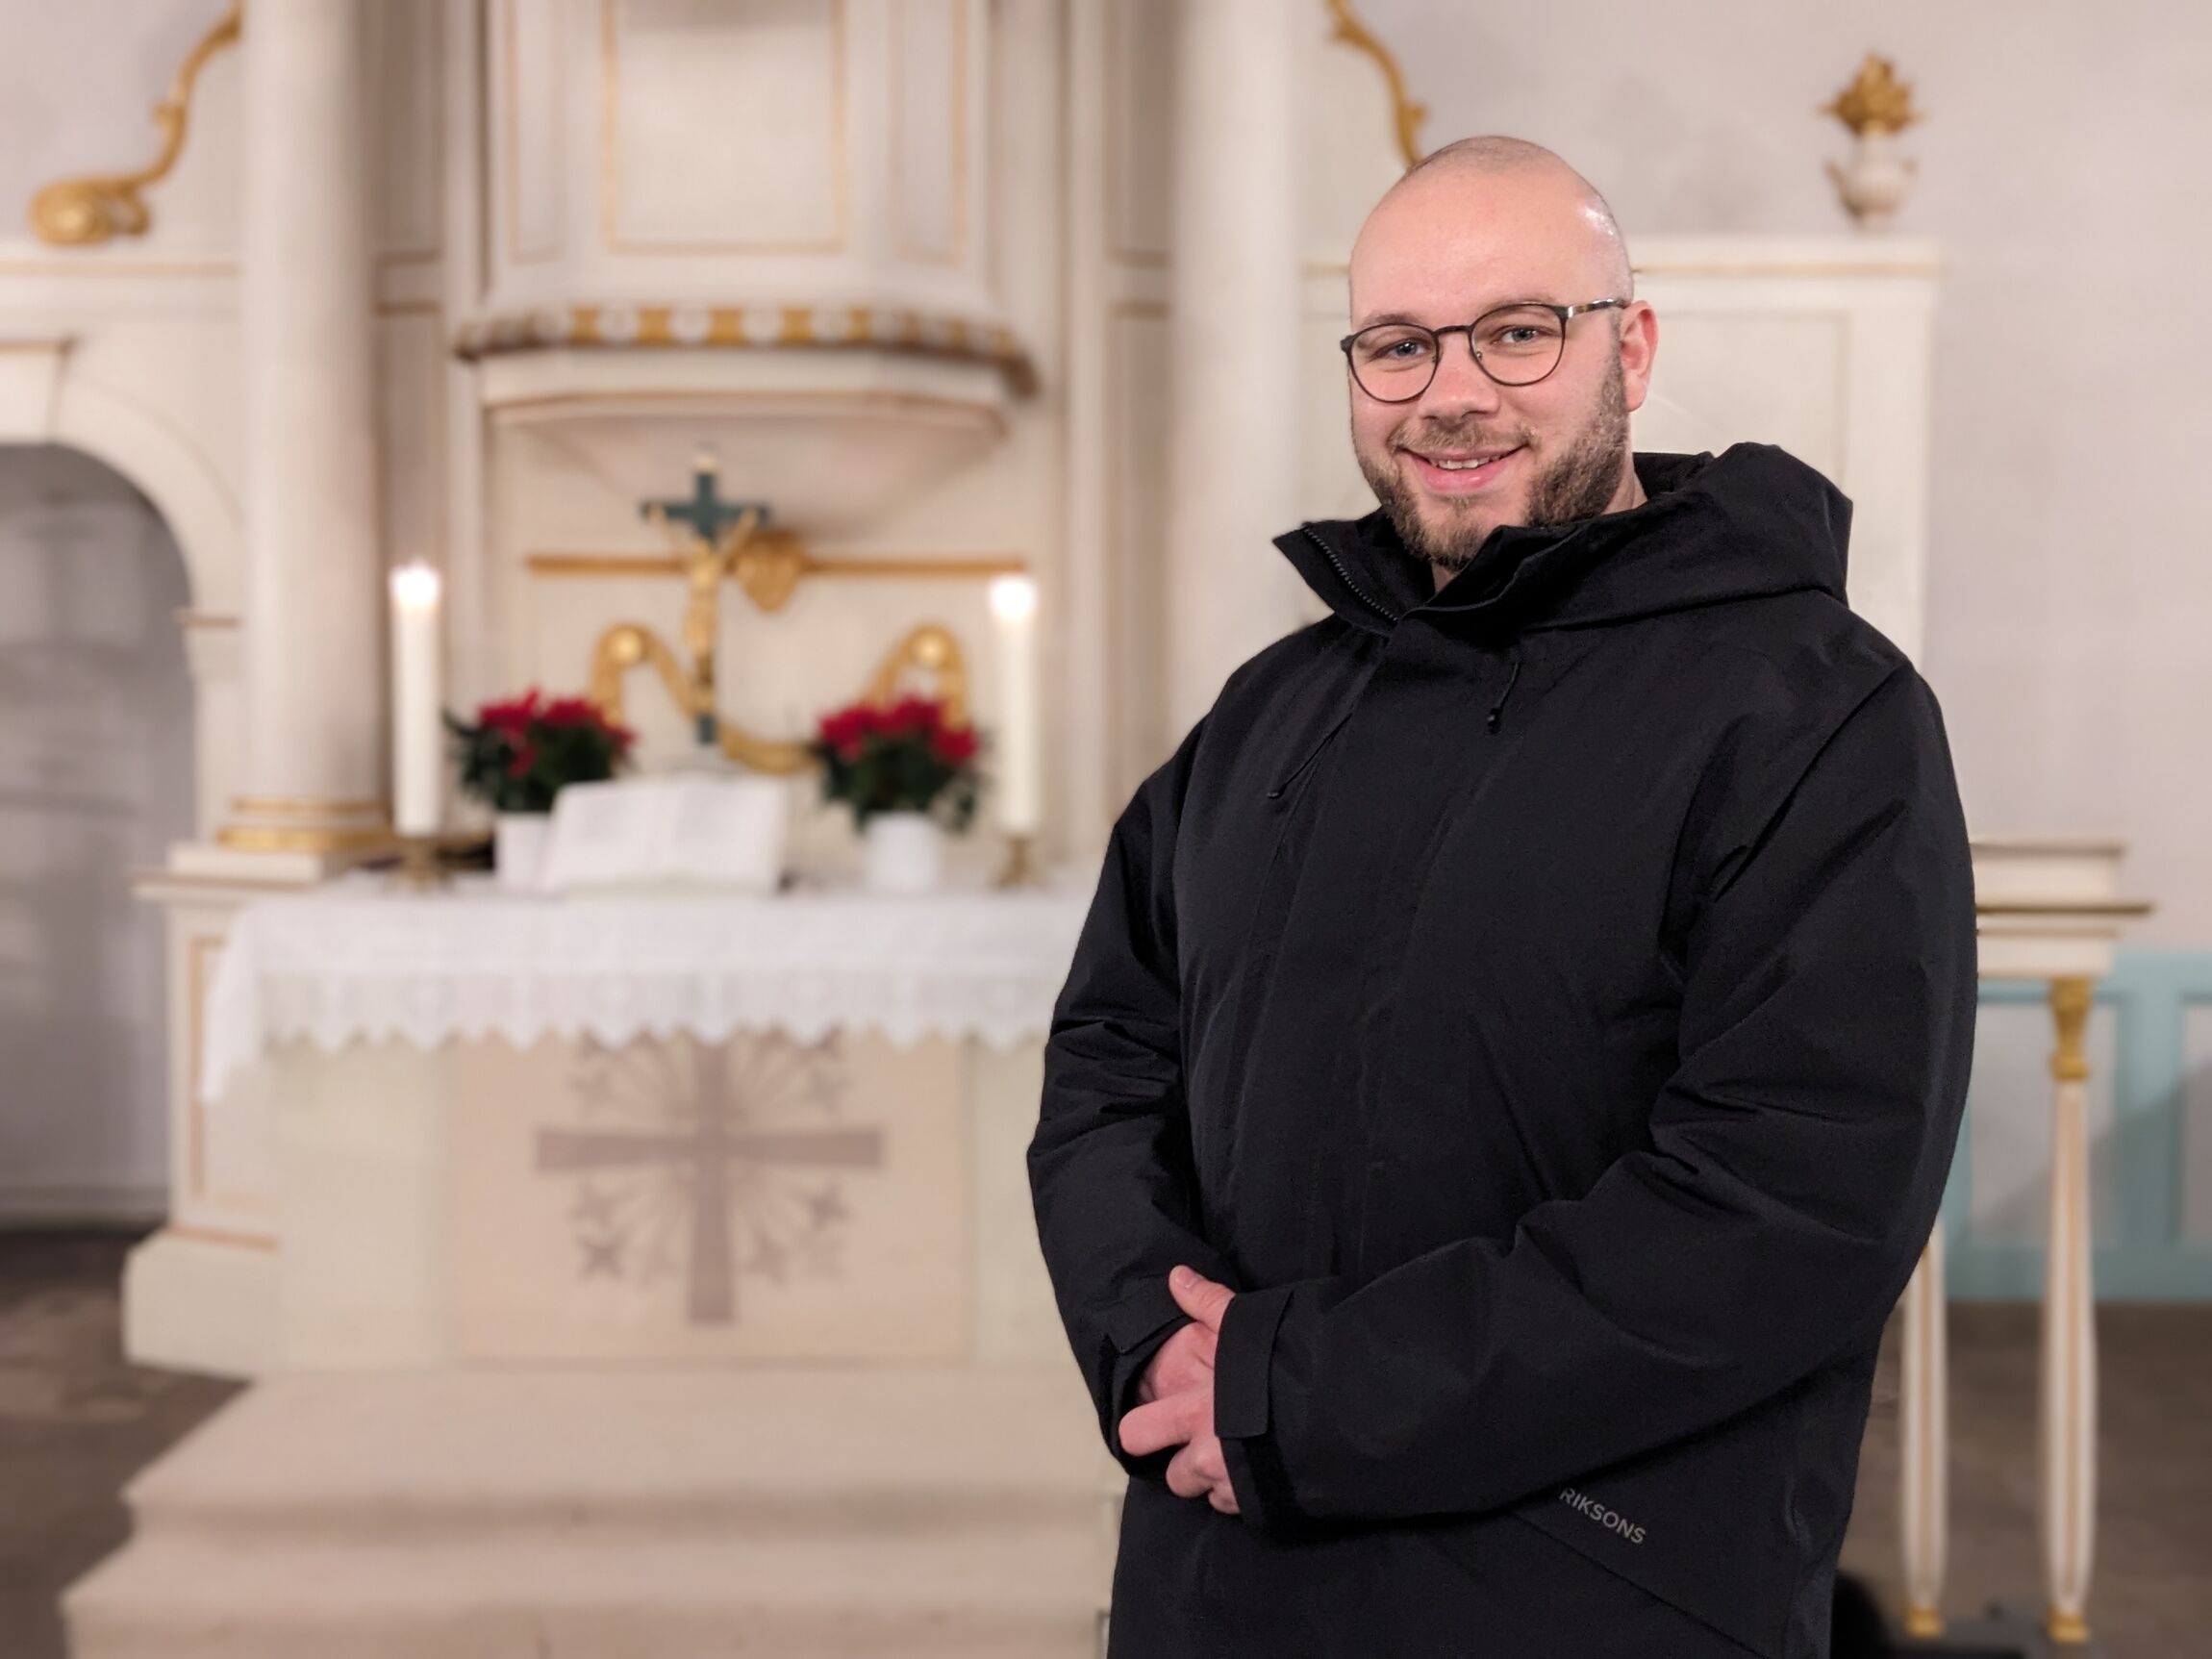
(683, 828)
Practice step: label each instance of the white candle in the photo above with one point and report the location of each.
(418, 732)
(1020, 792)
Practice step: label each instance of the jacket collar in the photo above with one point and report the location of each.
(1751, 521)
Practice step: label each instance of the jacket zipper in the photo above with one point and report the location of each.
(1497, 710)
(1358, 592)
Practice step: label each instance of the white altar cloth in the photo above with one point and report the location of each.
(362, 958)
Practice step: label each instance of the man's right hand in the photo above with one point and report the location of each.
(1185, 1360)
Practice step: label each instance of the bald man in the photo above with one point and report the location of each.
(1513, 1054)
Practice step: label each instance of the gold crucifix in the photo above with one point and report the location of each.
(715, 533)
(717, 540)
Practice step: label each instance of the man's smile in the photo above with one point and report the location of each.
(1462, 471)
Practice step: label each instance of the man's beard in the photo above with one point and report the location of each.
(1578, 484)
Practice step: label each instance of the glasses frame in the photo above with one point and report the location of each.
(1565, 314)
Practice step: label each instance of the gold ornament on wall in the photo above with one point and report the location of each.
(1876, 101)
(1406, 114)
(100, 206)
(1875, 107)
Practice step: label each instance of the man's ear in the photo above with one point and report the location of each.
(1639, 349)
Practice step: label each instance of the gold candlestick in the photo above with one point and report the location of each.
(1019, 871)
(419, 868)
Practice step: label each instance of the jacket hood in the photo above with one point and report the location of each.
(1748, 524)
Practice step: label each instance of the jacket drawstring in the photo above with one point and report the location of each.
(1497, 709)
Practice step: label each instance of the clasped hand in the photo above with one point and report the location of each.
(1177, 1388)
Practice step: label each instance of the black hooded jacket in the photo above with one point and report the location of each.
(1548, 1003)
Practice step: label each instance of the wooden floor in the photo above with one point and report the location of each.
(2150, 1596)
(76, 1421)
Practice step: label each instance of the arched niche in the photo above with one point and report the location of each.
(97, 777)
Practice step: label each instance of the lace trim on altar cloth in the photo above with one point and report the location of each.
(357, 963)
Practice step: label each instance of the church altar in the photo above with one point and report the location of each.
(668, 1126)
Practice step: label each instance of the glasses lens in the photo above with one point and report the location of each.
(1394, 362)
(1519, 343)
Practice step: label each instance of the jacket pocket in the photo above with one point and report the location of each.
(1546, 1599)
(1703, 1524)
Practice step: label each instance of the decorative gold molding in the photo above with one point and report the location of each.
(100, 206)
(304, 806)
(307, 838)
(938, 567)
(766, 327)
(1406, 112)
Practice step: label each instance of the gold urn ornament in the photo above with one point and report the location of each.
(1876, 106)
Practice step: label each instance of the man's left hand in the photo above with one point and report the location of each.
(1185, 1418)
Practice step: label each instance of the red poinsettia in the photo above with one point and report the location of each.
(521, 752)
(903, 755)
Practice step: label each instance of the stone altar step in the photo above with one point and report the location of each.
(792, 1513)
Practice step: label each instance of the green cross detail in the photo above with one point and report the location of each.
(703, 512)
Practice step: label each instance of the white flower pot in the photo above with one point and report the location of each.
(518, 850)
(905, 852)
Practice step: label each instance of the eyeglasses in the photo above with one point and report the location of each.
(1515, 344)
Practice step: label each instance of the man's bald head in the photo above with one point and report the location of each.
(1470, 173)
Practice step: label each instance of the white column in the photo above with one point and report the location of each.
(312, 778)
(1232, 465)
(2068, 1464)
(1923, 1418)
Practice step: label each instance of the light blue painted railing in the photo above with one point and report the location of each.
(2143, 1251)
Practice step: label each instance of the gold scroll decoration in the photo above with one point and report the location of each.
(99, 207)
(928, 648)
(1407, 113)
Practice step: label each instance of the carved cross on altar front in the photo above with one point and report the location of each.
(721, 1152)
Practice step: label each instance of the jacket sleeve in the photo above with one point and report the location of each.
(1795, 1160)
(1110, 1168)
